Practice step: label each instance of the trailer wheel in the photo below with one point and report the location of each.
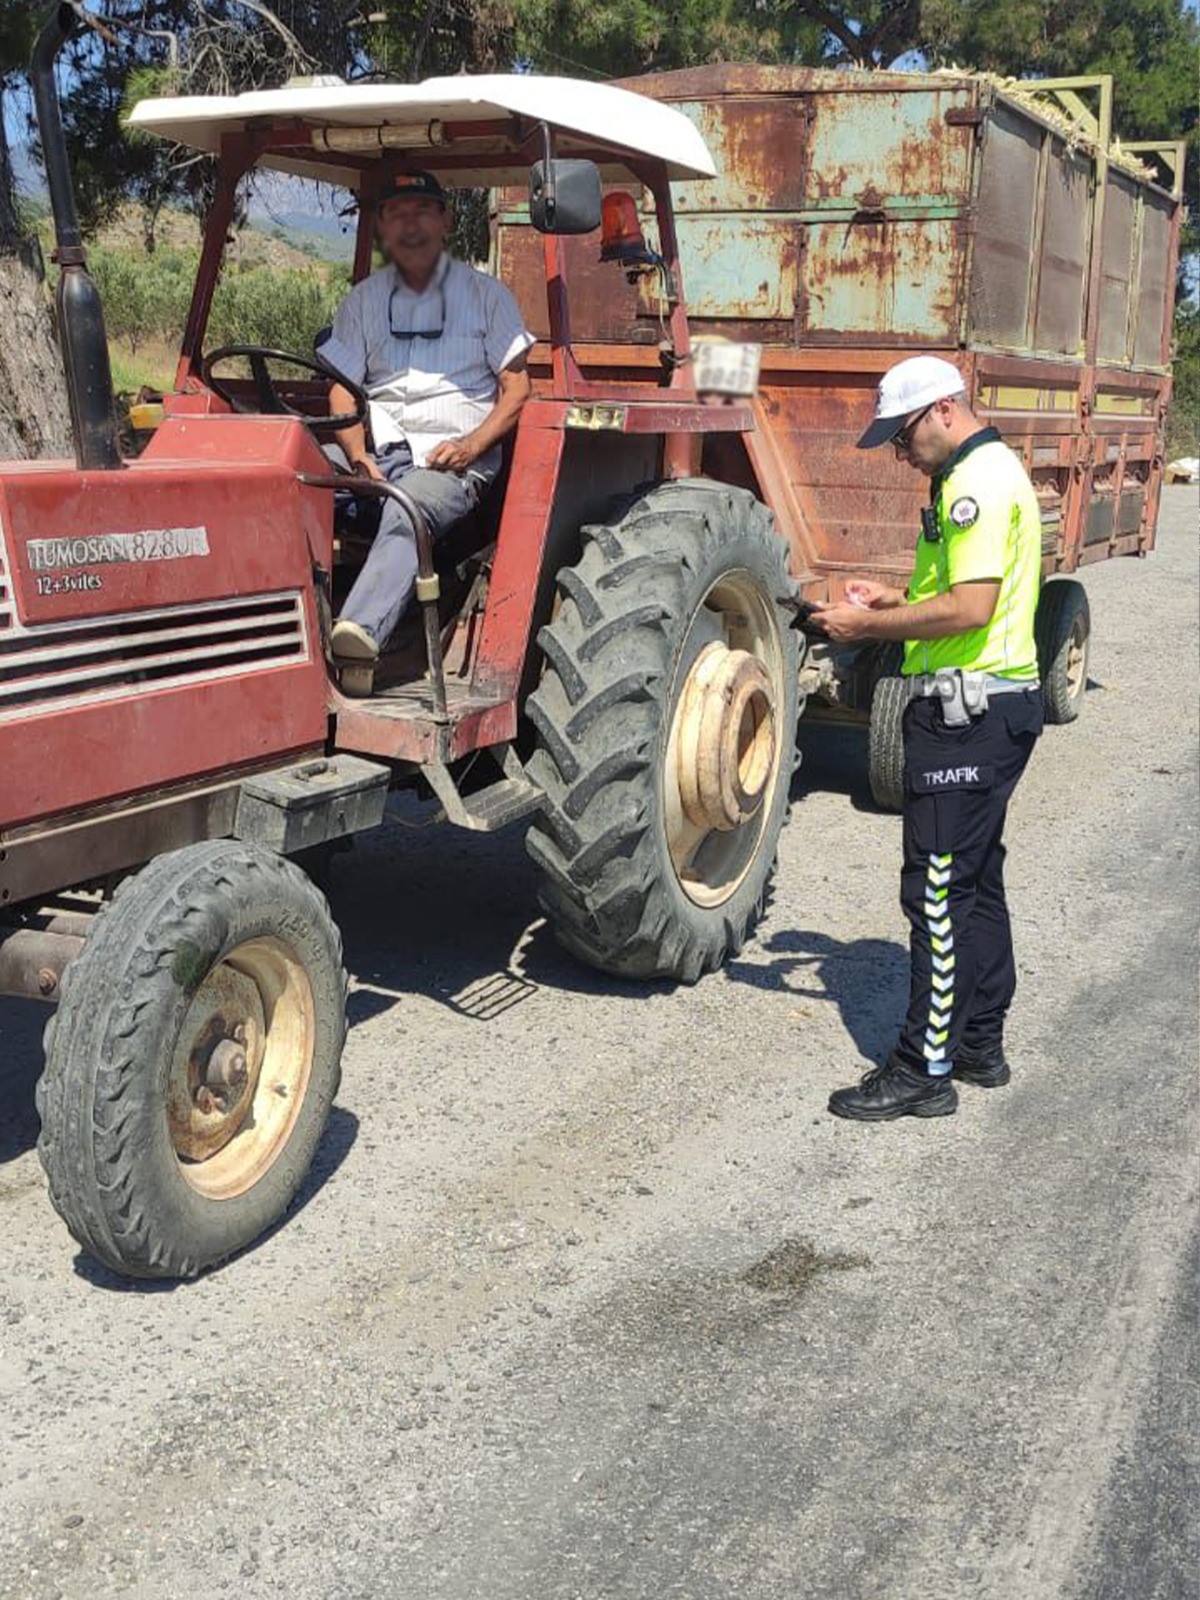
(193, 1060)
(1063, 631)
(666, 723)
(885, 742)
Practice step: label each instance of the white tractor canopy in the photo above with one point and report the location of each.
(342, 128)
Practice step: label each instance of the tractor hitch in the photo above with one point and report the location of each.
(32, 961)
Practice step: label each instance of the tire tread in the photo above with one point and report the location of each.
(601, 885)
(95, 1077)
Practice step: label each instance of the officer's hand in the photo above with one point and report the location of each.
(452, 455)
(873, 596)
(841, 622)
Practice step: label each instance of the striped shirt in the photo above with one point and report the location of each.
(426, 389)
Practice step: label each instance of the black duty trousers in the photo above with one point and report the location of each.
(957, 785)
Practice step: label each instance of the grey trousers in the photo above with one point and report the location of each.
(385, 585)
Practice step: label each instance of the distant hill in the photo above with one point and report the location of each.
(274, 245)
(308, 215)
(321, 239)
(301, 216)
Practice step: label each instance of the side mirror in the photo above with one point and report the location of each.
(564, 196)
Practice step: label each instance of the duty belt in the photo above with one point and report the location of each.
(963, 694)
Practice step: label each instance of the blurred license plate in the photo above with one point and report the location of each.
(723, 368)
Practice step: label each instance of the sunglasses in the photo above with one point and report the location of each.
(903, 438)
(418, 333)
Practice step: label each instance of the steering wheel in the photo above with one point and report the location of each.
(270, 401)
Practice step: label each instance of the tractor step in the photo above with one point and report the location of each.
(510, 798)
(501, 803)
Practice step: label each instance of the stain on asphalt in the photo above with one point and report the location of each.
(793, 1264)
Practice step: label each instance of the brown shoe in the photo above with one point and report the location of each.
(355, 654)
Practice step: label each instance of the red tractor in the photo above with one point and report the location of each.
(605, 651)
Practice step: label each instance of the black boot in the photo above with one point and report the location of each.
(985, 1068)
(893, 1090)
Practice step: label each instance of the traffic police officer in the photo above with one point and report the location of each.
(973, 717)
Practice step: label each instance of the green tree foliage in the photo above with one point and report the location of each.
(205, 46)
(262, 305)
(17, 31)
(1183, 419)
(1149, 47)
(134, 308)
(614, 38)
(147, 297)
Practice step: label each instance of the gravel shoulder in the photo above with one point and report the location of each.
(587, 1297)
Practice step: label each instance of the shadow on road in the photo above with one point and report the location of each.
(336, 1143)
(21, 1025)
(430, 911)
(867, 979)
(452, 918)
(834, 761)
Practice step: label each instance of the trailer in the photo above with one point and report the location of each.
(858, 217)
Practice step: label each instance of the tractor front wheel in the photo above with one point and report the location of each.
(666, 723)
(193, 1060)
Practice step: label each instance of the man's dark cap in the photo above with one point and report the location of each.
(411, 186)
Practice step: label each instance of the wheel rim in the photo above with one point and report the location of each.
(241, 1068)
(1077, 655)
(723, 756)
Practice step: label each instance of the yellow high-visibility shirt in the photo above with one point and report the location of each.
(989, 527)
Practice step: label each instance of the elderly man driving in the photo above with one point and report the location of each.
(440, 349)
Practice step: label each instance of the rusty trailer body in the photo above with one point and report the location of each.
(857, 217)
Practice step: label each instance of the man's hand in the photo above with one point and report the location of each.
(366, 466)
(964, 606)
(842, 622)
(863, 593)
(452, 455)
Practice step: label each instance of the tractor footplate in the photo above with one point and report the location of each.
(512, 797)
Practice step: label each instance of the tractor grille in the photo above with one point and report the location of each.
(100, 658)
(6, 607)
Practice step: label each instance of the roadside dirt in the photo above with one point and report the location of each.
(587, 1298)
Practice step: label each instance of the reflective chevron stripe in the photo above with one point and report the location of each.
(941, 938)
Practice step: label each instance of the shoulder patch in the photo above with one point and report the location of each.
(964, 513)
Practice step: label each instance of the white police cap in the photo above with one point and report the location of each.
(910, 386)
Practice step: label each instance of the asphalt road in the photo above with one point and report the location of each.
(589, 1299)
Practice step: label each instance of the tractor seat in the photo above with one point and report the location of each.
(355, 524)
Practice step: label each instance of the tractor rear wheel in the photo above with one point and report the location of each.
(193, 1059)
(666, 723)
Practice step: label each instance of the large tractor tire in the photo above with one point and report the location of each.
(1063, 631)
(885, 742)
(193, 1060)
(666, 723)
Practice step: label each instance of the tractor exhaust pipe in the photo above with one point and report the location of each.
(80, 315)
